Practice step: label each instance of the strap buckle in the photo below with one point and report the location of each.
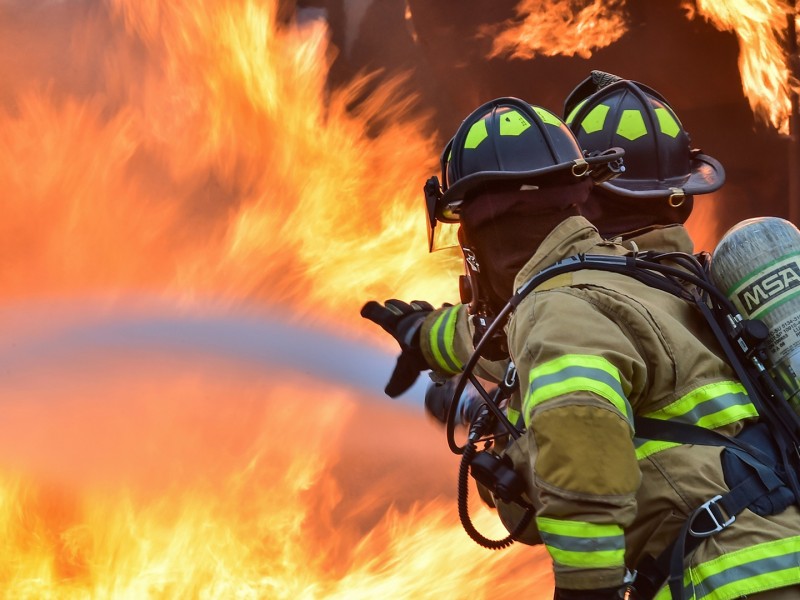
(718, 523)
(510, 378)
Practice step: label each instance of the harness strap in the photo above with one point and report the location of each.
(712, 516)
(684, 433)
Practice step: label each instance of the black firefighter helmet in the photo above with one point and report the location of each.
(605, 111)
(510, 142)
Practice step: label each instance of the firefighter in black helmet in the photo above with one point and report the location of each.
(504, 151)
(648, 202)
(595, 352)
(511, 148)
(663, 172)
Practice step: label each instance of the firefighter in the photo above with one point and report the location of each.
(645, 206)
(663, 173)
(593, 350)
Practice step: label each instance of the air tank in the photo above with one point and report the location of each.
(757, 266)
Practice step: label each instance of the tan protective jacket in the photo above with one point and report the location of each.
(592, 349)
(447, 333)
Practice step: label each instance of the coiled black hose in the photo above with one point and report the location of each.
(463, 510)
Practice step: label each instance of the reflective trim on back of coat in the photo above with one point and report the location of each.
(746, 571)
(709, 406)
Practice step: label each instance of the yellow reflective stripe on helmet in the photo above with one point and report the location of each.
(596, 118)
(477, 133)
(735, 574)
(513, 123)
(710, 406)
(575, 110)
(441, 339)
(576, 373)
(666, 120)
(581, 544)
(546, 116)
(631, 125)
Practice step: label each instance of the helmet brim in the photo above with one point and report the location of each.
(707, 175)
(563, 173)
(448, 206)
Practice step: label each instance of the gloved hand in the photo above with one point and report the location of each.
(615, 593)
(402, 321)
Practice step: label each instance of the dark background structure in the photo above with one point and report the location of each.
(689, 61)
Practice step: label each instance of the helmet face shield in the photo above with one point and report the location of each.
(443, 236)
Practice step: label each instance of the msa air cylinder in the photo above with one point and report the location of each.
(757, 266)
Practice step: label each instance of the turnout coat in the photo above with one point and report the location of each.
(593, 349)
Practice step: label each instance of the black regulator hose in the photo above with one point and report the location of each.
(470, 450)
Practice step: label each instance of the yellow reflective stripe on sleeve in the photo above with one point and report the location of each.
(576, 373)
(645, 448)
(736, 574)
(581, 544)
(441, 339)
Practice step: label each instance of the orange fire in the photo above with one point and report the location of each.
(761, 28)
(208, 478)
(187, 155)
(209, 157)
(556, 27)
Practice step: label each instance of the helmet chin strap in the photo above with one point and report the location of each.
(473, 288)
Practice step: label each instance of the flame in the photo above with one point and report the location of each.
(208, 478)
(195, 152)
(555, 27)
(760, 26)
(211, 158)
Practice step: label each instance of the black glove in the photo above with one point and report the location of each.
(615, 593)
(402, 321)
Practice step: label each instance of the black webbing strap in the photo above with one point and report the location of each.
(712, 516)
(683, 433)
(781, 424)
(708, 519)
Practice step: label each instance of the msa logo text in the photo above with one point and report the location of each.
(769, 286)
